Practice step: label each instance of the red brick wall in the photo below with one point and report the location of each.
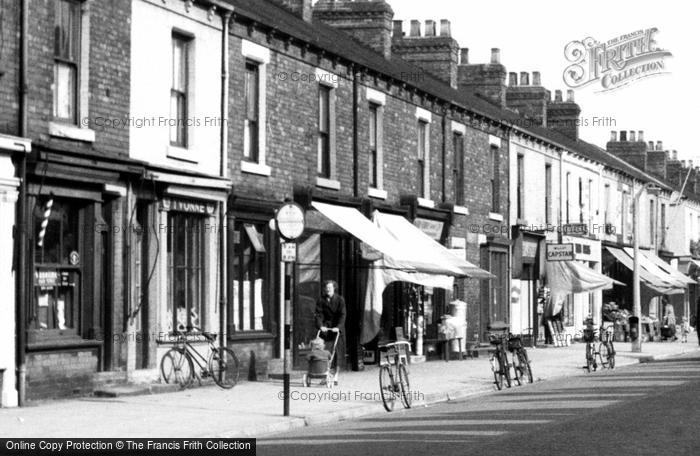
(9, 65)
(110, 48)
(61, 373)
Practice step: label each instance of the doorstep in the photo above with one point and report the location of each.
(135, 390)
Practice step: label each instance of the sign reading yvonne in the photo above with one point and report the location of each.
(615, 63)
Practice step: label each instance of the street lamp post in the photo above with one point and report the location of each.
(636, 292)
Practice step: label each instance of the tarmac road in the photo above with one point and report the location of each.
(651, 408)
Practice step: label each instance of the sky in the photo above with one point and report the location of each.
(532, 37)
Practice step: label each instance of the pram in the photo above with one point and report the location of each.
(320, 369)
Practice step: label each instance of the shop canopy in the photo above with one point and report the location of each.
(424, 246)
(395, 253)
(665, 268)
(567, 277)
(650, 274)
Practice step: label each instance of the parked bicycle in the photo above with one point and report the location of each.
(177, 366)
(498, 337)
(393, 374)
(599, 352)
(520, 361)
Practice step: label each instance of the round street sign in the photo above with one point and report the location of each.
(290, 221)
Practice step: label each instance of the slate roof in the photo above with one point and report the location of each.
(342, 45)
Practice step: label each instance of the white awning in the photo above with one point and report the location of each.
(656, 281)
(567, 277)
(397, 253)
(663, 269)
(423, 246)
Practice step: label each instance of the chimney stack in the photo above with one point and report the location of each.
(464, 56)
(536, 78)
(301, 8)
(495, 56)
(436, 54)
(487, 80)
(512, 79)
(415, 28)
(398, 28)
(524, 78)
(445, 28)
(368, 21)
(429, 28)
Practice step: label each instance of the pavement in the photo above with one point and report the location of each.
(254, 409)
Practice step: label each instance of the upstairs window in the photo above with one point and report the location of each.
(324, 122)
(423, 158)
(66, 60)
(179, 91)
(251, 140)
(373, 146)
(458, 170)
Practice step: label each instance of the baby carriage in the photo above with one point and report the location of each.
(320, 369)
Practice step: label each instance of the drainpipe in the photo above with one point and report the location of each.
(444, 152)
(22, 222)
(355, 134)
(561, 194)
(226, 18)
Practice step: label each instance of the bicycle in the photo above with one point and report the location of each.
(520, 361)
(177, 366)
(393, 374)
(499, 357)
(603, 354)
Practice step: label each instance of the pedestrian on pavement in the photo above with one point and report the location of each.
(330, 319)
(685, 329)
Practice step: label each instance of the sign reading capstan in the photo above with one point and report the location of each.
(560, 252)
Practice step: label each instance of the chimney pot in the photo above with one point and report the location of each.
(557, 96)
(570, 95)
(668, 155)
(495, 55)
(445, 28)
(512, 79)
(524, 78)
(464, 56)
(613, 136)
(398, 29)
(623, 135)
(633, 136)
(536, 78)
(674, 154)
(651, 145)
(640, 136)
(690, 164)
(415, 28)
(429, 28)
(659, 145)
(683, 163)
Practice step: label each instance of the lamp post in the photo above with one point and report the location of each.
(652, 190)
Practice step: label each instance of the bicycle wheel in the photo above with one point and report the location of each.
(604, 354)
(589, 357)
(506, 369)
(525, 365)
(176, 368)
(405, 386)
(223, 367)
(611, 357)
(386, 387)
(517, 370)
(495, 367)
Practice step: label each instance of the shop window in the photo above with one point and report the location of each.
(56, 266)
(249, 276)
(185, 270)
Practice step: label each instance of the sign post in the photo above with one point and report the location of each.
(290, 223)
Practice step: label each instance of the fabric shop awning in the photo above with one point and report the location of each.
(411, 237)
(672, 273)
(566, 277)
(652, 276)
(398, 253)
